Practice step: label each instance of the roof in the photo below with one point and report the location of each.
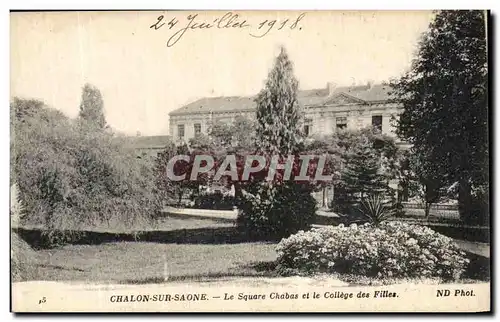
(149, 142)
(375, 93)
(311, 97)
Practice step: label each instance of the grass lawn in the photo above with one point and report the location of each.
(201, 253)
(142, 262)
(182, 249)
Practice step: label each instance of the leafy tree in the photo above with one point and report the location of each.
(244, 133)
(384, 147)
(445, 104)
(92, 107)
(71, 177)
(28, 115)
(178, 189)
(221, 135)
(165, 186)
(201, 142)
(22, 109)
(432, 186)
(240, 134)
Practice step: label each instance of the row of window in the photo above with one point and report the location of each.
(181, 130)
(341, 123)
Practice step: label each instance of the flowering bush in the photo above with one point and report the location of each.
(392, 249)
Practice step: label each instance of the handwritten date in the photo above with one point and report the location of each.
(228, 21)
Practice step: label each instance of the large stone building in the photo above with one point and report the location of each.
(326, 110)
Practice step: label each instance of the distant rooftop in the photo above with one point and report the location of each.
(149, 142)
(311, 97)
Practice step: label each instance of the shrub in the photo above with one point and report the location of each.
(72, 177)
(214, 201)
(392, 249)
(276, 211)
(24, 260)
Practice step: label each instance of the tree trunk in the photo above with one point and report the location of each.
(325, 199)
(237, 191)
(180, 198)
(238, 194)
(427, 209)
(464, 199)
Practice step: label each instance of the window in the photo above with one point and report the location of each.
(180, 130)
(377, 122)
(197, 129)
(307, 129)
(341, 123)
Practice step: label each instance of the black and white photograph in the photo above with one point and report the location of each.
(250, 161)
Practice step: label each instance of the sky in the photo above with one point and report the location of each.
(144, 73)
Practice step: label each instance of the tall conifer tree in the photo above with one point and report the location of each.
(269, 209)
(279, 116)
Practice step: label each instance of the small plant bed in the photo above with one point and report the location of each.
(391, 250)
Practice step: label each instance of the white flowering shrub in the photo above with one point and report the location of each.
(392, 249)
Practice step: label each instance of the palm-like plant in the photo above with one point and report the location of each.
(376, 209)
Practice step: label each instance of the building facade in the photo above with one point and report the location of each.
(326, 110)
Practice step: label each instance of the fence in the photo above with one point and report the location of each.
(414, 205)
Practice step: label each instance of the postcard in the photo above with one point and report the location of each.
(249, 161)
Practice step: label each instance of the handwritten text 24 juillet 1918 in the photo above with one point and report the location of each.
(228, 20)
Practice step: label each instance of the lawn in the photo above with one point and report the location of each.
(145, 262)
(177, 249)
(188, 248)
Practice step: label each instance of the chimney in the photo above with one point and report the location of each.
(331, 88)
